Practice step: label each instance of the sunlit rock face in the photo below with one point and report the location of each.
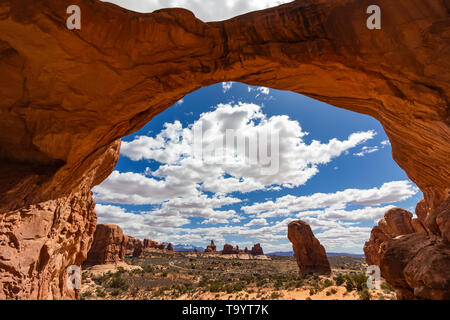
(109, 245)
(67, 97)
(309, 253)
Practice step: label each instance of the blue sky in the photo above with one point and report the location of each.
(161, 191)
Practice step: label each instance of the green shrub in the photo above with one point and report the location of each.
(365, 294)
(275, 295)
(100, 293)
(327, 283)
(339, 279)
(118, 282)
(116, 292)
(387, 287)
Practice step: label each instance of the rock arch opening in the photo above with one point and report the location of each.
(66, 108)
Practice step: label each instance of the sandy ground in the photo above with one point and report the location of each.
(292, 294)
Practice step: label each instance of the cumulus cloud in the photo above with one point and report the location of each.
(207, 10)
(226, 86)
(389, 192)
(366, 150)
(225, 169)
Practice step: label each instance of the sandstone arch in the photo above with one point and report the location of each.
(68, 96)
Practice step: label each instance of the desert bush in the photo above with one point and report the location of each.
(275, 295)
(117, 282)
(327, 283)
(365, 294)
(99, 292)
(339, 279)
(387, 287)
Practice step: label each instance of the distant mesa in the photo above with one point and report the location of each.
(309, 253)
(256, 250)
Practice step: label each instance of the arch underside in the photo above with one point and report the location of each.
(69, 96)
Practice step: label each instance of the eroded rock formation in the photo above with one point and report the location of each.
(413, 258)
(229, 249)
(150, 244)
(68, 96)
(211, 248)
(417, 265)
(109, 245)
(396, 222)
(257, 250)
(132, 243)
(170, 247)
(138, 250)
(309, 253)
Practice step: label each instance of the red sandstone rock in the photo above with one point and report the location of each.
(170, 247)
(414, 261)
(60, 129)
(211, 248)
(372, 247)
(132, 243)
(396, 222)
(229, 249)
(138, 249)
(256, 250)
(422, 211)
(309, 253)
(109, 245)
(150, 244)
(438, 221)
(417, 265)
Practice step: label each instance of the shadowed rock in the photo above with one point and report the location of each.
(309, 253)
(109, 245)
(67, 97)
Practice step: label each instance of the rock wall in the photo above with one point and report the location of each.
(38, 244)
(68, 96)
(309, 253)
(109, 245)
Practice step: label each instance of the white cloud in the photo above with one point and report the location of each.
(174, 149)
(226, 86)
(366, 150)
(257, 222)
(207, 10)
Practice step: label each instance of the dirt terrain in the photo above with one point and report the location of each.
(184, 275)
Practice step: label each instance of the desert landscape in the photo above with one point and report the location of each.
(164, 274)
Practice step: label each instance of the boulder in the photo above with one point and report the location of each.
(396, 222)
(417, 265)
(309, 253)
